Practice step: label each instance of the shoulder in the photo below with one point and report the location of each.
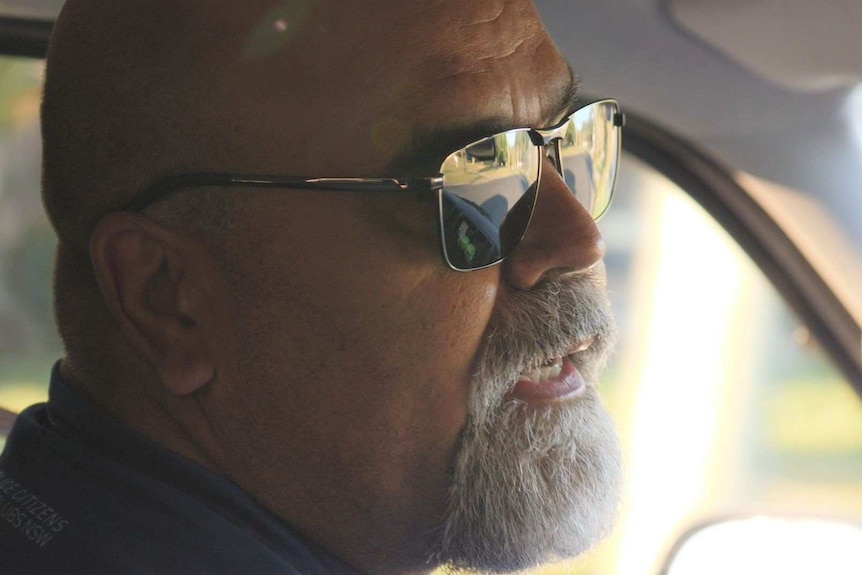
(67, 508)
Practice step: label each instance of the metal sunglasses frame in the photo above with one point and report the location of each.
(544, 139)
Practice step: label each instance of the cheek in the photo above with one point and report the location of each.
(410, 404)
(368, 351)
(414, 354)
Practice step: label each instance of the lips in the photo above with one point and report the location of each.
(556, 380)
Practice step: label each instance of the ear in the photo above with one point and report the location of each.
(156, 283)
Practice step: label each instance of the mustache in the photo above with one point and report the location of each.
(536, 325)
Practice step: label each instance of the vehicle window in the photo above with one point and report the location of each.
(28, 343)
(724, 403)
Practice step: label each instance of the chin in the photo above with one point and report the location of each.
(531, 485)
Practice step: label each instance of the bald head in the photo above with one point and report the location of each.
(140, 89)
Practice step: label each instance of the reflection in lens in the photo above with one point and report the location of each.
(516, 222)
(589, 153)
(483, 184)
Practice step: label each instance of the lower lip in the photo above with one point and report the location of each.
(567, 385)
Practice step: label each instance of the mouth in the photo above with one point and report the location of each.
(557, 379)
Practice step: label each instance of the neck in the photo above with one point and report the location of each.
(142, 405)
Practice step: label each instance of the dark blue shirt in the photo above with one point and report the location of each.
(80, 493)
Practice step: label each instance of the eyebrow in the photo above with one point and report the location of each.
(432, 145)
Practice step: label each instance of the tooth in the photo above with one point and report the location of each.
(553, 371)
(531, 375)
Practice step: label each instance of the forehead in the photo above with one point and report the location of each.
(354, 83)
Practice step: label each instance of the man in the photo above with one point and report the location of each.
(289, 374)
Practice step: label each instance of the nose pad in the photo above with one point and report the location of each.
(562, 237)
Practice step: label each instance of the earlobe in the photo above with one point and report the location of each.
(150, 281)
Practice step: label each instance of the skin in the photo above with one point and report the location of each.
(328, 374)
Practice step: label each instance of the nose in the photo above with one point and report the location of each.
(562, 238)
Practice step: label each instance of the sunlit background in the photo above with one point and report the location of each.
(724, 403)
(28, 344)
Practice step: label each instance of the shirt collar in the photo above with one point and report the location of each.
(70, 411)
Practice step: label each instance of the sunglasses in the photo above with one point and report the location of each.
(486, 191)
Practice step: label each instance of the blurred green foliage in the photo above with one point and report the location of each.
(28, 341)
(32, 262)
(20, 82)
(815, 417)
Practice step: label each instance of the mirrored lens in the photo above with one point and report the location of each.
(487, 198)
(489, 188)
(589, 153)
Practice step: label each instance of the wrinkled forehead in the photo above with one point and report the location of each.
(340, 88)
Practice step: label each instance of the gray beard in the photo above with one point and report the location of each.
(533, 484)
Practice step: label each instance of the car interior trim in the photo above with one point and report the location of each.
(22, 37)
